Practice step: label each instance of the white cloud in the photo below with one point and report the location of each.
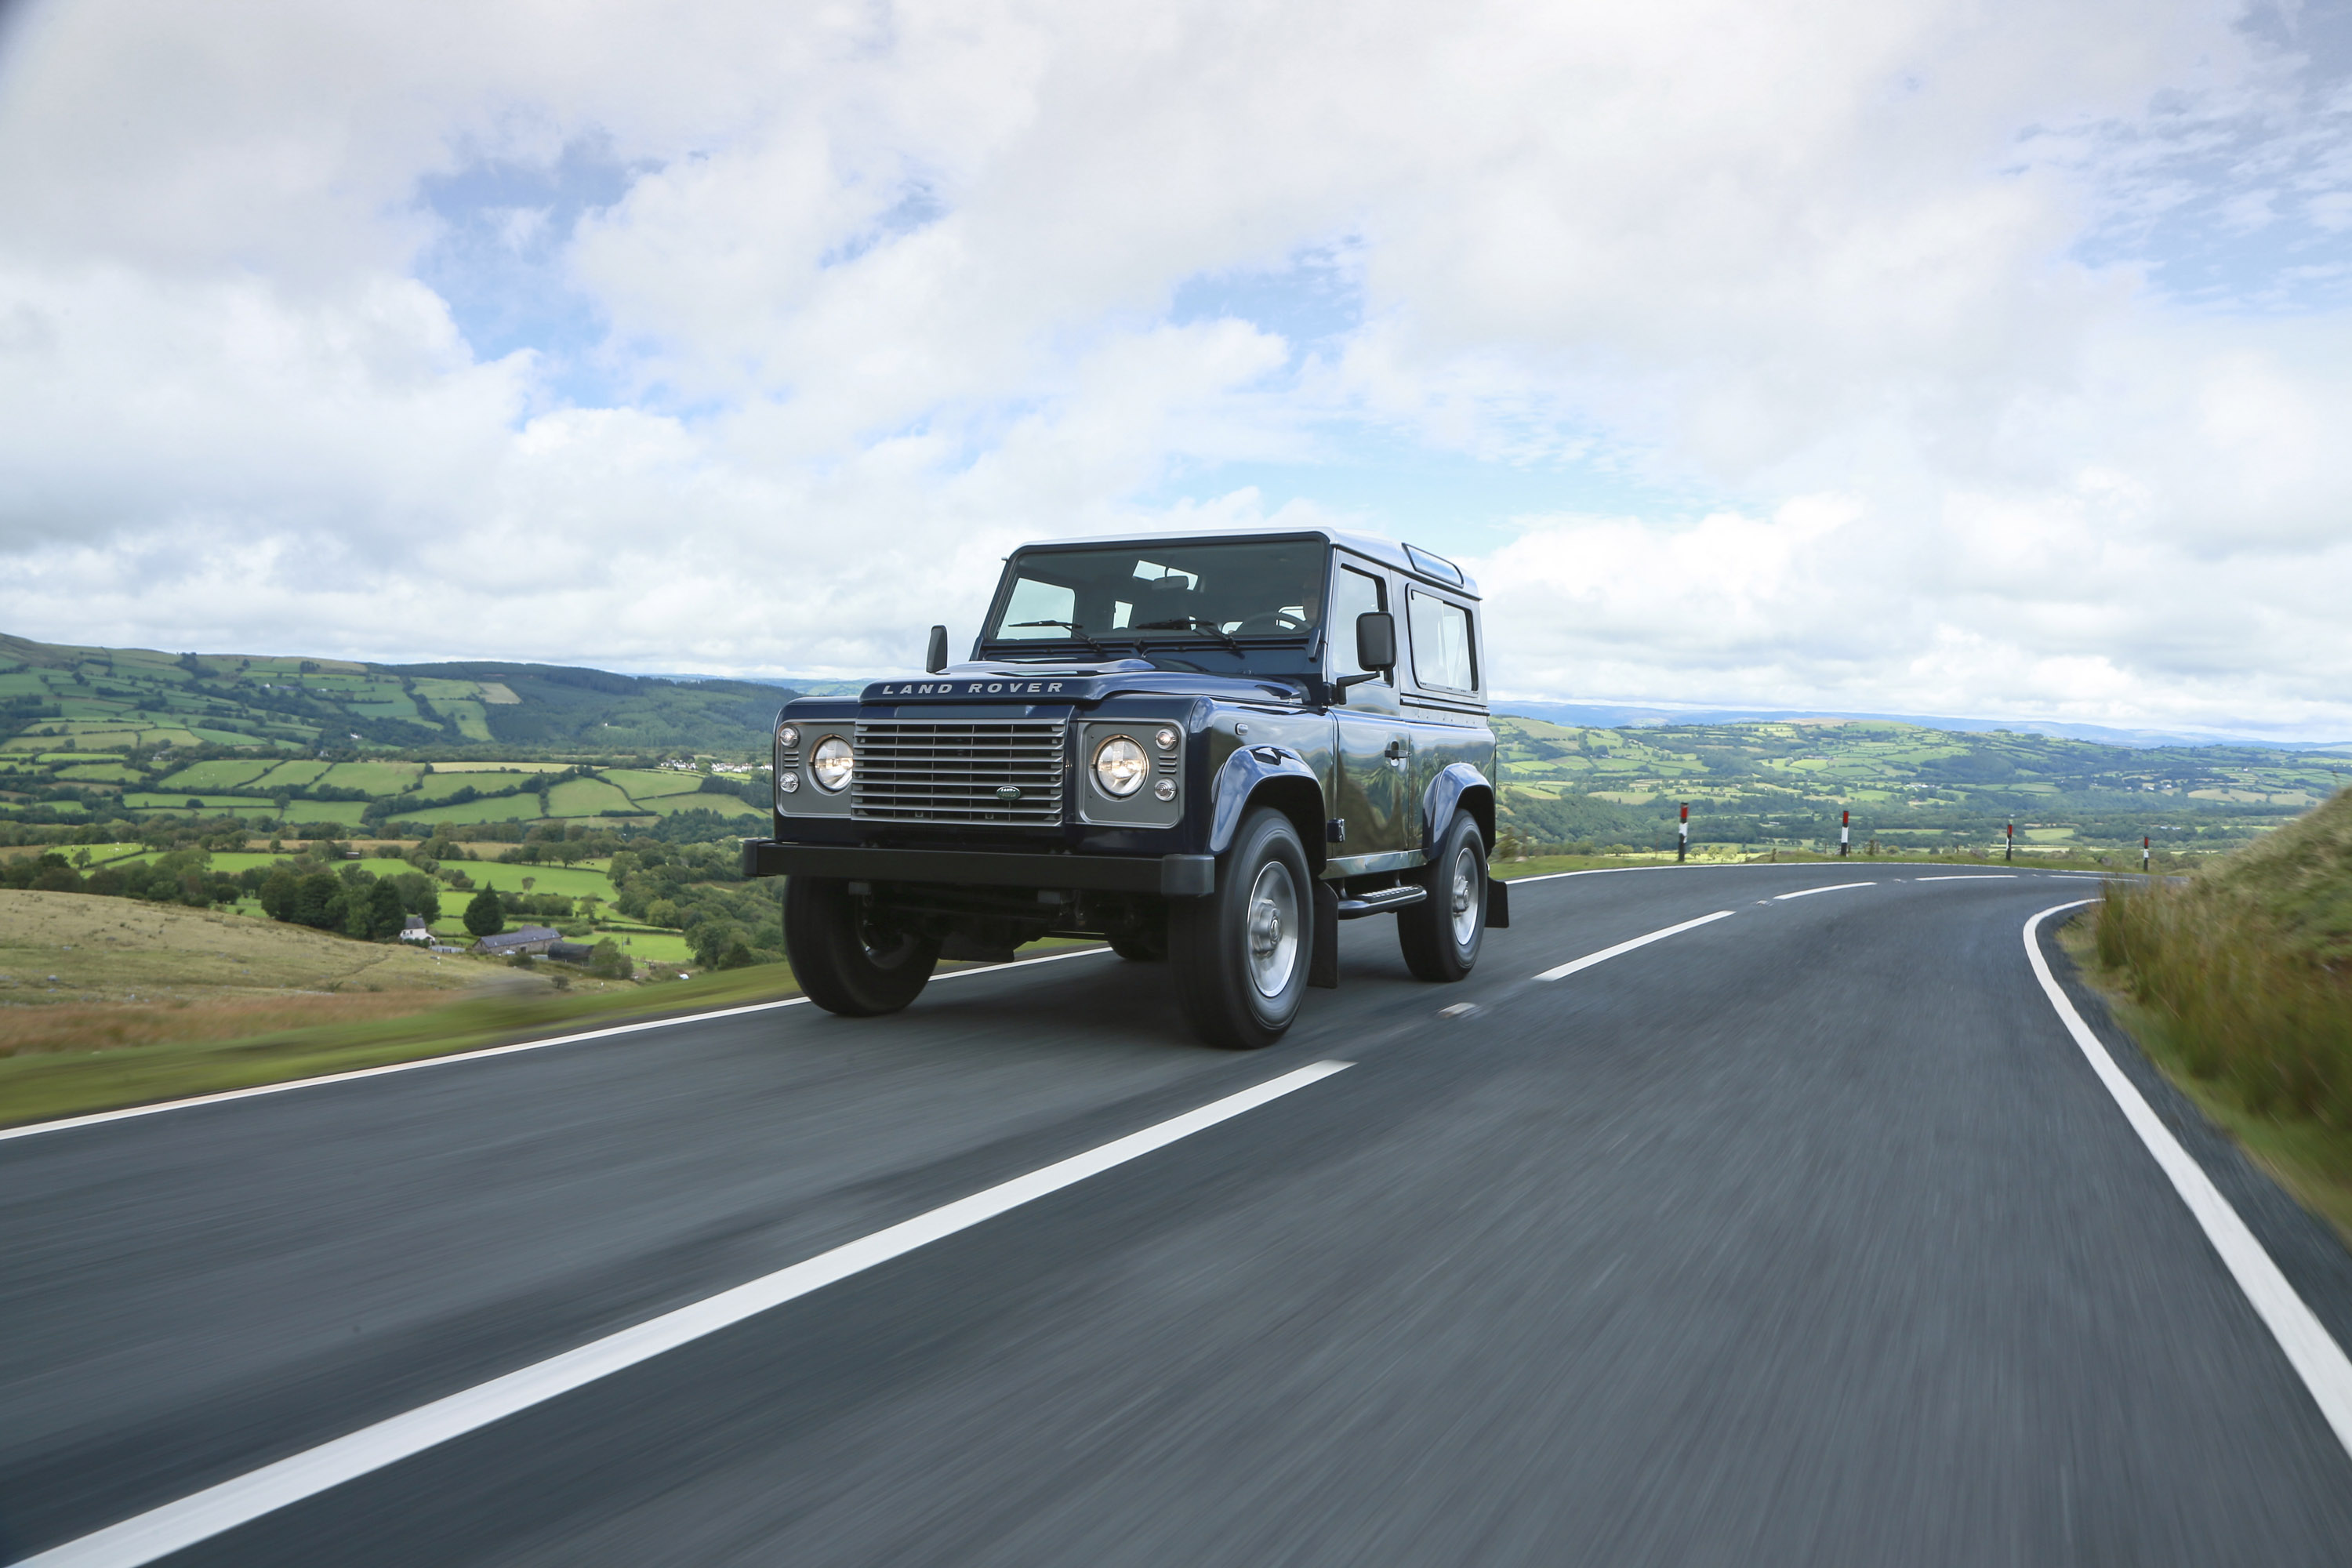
(877, 290)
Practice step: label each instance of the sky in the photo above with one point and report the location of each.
(1969, 358)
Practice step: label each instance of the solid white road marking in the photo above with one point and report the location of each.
(1833, 888)
(2314, 1353)
(448, 1057)
(208, 1513)
(1975, 877)
(1590, 959)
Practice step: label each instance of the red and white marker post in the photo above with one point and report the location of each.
(2009, 849)
(1682, 844)
(2143, 853)
(1845, 832)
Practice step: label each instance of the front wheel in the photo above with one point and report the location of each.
(845, 964)
(1240, 955)
(1441, 935)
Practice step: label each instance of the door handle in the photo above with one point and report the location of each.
(1398, 751)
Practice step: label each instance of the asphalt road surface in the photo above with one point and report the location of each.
(1803, 1235)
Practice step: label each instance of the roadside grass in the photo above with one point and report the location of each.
(39, 1086)
(2237, 982)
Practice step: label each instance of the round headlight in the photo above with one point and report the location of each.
(787, 736)
(1119, 766)
(831, 762)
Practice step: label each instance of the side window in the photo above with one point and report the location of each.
(1355, 593)
(1441, 643)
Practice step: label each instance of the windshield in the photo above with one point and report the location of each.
(1155, 593)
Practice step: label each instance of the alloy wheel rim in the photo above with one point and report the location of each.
(1466, 890)
(1273, 930)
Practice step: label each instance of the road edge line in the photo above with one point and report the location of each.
(2310, 1349)
(224, 1506)
(1562, 971)
(251, 1092)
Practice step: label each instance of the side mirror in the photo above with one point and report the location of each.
(1376, 640)
(935, 657)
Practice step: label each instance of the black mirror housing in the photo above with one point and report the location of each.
(935, 657)
(1376, 645)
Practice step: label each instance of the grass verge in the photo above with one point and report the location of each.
(2237, 982)
(2310, 1159)
(46, 1085)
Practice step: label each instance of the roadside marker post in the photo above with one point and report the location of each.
(2009, 848)
(2143, 853)
(1845, 832)
(1682, 844)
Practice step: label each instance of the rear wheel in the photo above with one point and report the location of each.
(1241, 954)
(1441, 935)
(845, 964)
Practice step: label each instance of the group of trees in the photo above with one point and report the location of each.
(349, 898)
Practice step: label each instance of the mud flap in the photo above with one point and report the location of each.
(1498, 905)
(1323, 963)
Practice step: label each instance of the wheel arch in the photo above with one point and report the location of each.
(1457, 787)
(1276, 777)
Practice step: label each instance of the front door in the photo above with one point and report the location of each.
(1375, 744)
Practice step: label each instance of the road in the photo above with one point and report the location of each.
(1806, 1235)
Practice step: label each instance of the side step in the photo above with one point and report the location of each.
(1380, 900)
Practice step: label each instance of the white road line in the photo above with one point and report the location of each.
(202, 1515)
(1606, 953)
(448, 1057)
(1976, 877)
(1833, 888)
(2315, 1356)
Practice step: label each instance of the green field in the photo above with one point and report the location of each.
(509, 808)
(724, 804)
(376, 778)
(652, 784)
(439, 786)
(225, 773)
(168, 800)
(586, 797)
(290, 775)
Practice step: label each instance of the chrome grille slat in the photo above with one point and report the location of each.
(948, 769)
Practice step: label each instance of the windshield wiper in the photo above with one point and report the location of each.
(1193, 624)
(1075, 631)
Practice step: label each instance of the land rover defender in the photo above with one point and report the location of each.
(1208, 750)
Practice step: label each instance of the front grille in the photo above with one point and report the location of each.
(950, 769)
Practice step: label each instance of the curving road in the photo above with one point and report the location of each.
(1805, 1235)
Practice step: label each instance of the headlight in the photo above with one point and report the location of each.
(1119, 766)
(787, 736)
(787, 781)
(1165, 740)
(831, 762)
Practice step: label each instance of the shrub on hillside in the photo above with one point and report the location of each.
(486, 916)
(2246, 970)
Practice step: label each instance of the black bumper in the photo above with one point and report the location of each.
(1174, 876)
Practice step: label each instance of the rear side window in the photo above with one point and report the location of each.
(1441, 643)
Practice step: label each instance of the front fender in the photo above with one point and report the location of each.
(1254, 771)
(1446, 795)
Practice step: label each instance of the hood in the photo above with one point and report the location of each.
(1079, 682)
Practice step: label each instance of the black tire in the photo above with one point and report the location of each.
(840, 961)
(1441, 935)
(1241, 955)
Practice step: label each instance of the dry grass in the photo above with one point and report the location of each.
(85, 973)
(2238, 982)
(105, 1027)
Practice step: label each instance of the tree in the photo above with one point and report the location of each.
(607, 962)
(419, 895)
(319, 901)
(486, 916)
(277, 894)
(385, 915)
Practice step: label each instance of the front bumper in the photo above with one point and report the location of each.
(1172, 876)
